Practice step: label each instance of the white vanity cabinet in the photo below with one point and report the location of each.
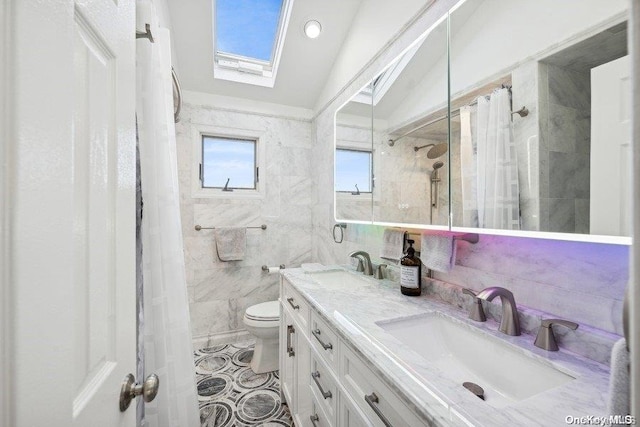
(324, 382)
(295, 355)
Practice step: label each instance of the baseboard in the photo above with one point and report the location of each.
(227, 337)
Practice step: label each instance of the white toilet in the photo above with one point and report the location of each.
(262, 321)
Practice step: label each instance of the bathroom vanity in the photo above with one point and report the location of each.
(355, 352)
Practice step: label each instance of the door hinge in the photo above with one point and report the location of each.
(200, 172)
(257, 174)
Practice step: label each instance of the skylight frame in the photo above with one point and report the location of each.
(243, 69)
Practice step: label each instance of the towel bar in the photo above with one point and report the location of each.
(199, 227)
(472, 238)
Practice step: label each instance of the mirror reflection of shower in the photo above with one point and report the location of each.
(426, 141)
(436, 150)
(435, 179)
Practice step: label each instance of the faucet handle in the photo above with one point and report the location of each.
(476, 312)
(548, 322)
(545, 339)
(379, 274)
(360, 266)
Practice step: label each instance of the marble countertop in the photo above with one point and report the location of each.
(353, 312)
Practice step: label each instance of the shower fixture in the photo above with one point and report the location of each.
(435, 179)
(436, 150)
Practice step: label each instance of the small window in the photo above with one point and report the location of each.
(228, 163)
(353, 171)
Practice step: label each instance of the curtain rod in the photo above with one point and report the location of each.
(522, 112)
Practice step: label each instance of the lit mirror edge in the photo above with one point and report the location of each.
(544, 235)
(548, 235)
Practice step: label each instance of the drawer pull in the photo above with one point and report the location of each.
(315, 375)
(290, 331)
(295, 306)
(316, 333)
(372, 400)
(314, 418)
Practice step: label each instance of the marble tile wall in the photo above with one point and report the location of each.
(220, 292)
(565, 126)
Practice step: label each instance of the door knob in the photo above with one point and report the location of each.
(148, 389)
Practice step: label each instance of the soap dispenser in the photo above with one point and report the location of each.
(410, 269)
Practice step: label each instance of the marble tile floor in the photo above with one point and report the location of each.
(231, 394)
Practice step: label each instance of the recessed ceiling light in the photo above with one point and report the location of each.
(312, 29)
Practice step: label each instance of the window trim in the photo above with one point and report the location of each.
(199, 131)
(242, 69)
(360, 150)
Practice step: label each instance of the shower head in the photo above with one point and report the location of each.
(435, 151)
(434, 173)
(438, 150)
(391, 143)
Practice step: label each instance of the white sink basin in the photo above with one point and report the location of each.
(339, 279)
(506, 374)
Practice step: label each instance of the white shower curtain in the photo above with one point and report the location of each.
(167, 332)
(468, 173)
(497, 164)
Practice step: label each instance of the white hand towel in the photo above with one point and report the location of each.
(438, 252)
(392, 244)
(231, 243)
(619, 386)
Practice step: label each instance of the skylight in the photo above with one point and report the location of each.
(248, 39)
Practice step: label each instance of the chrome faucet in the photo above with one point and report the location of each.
(510, 322)
(364, 257)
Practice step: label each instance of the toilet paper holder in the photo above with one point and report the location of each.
(268, 269)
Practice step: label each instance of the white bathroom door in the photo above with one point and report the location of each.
(72, 220)
(610, 195)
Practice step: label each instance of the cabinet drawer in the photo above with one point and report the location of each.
(324, 340)
(381, 406)
(299, 308)
(318, 417)
(349, 415)
(323, 387)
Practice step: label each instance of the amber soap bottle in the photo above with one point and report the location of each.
(410, 272)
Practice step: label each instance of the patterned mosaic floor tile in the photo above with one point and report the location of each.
(231, 394)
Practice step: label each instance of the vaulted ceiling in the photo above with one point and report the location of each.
(305, 63)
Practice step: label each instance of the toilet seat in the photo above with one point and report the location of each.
(264, 312)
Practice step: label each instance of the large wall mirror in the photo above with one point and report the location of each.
(517, 122)
(540, 123)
